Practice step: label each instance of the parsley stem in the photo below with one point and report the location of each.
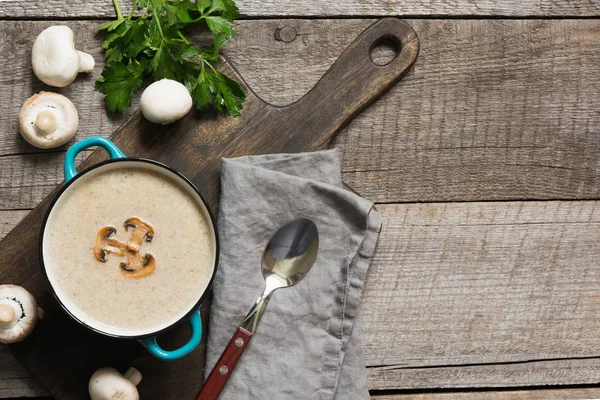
(116, 4)
(183, 37)
(133, 8)
(211, 67)
(158, 26)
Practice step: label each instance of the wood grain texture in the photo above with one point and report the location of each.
(193, 146)
(9, 219)
(500, 110)
(551, 394)
(25, 180)
(569, 372)
(492, 110)
(484, 295)
(257, 8)
(15, 381)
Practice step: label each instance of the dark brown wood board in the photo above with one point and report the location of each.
(63, 355)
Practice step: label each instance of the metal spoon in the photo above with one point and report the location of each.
(288, 257)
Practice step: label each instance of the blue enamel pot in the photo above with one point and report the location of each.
(120, 160)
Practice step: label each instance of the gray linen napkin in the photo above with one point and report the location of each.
(307, 345)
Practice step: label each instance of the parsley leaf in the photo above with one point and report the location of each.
(230, 95)
(231, 11)
(154, 46)
(220, 27)
(119, 82)
(202, 94)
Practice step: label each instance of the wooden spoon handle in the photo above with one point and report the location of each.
(354, 80)
(223, 369)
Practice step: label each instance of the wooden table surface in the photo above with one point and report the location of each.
(484, 162)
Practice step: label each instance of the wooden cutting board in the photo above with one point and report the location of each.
(63, 355)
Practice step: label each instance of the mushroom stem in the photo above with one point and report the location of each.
(141, 230)
(7, 313)
(86, 61)
(10, 312)
(106, 244)
(114, 246)
(46, 122)
(133, 375)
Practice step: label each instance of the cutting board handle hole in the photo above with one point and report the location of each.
(385, 50)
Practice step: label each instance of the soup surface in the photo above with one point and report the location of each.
(100, 294)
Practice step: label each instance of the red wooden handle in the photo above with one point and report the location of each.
(214, 384)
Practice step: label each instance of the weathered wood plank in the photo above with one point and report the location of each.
(15, 381)
(25, 180)
(257, 8)
(569, 372)
(484, 295)
(493, 110)
(9, 219)
(551, 394)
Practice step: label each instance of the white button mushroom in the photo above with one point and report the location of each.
(108, 383)
(54, 58)
(18, 313)
(48, 120)
(165, 101)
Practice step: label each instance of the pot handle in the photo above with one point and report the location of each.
(110, 147)
(157, 351)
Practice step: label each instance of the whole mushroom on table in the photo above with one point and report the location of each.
(19, 313)
(48, 120)
(54, 58)
(109, 384)
(165, 101)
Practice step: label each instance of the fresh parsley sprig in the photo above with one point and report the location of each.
(154, 45)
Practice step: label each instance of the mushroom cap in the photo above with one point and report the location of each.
(26, 313)
(109, 384)
(138, 266)
(35, 130)
(53, 56)
(165, 101)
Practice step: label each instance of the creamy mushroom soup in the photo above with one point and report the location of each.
(129, 248)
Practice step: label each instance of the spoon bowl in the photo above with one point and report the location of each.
(291, 252)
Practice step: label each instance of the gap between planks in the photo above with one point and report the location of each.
(530, 394)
